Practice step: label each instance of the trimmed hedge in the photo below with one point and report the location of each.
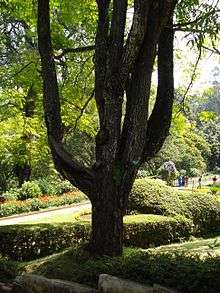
(186, 272)
(153, 197)
(153, 230)
(204, 210)
(26, 242)
(150, 196)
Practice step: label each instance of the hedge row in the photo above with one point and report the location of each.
(153, 230)
(17, 207)
(154, 197)
(26, 242)
(186, 272)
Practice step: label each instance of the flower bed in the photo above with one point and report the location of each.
(11, 207)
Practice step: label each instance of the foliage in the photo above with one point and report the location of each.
(55, 186)
(9, 269)
(142, 174)
(215, 189)
(72, 24)
(25, 242)
(16, 206)
(11, 194)
(154, 230)
(150, 196)
(203, 209)
(29, 189)
(186, 148)
(183, 271)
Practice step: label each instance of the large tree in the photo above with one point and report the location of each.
(128, 135)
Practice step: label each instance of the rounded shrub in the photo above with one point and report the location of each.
(46, 186)
(50, 186)
(66, 186)
(153, 196)
(29, 189)
(203, 209)
(12, 194)
(153, 230)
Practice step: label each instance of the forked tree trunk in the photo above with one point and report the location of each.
(121, 144)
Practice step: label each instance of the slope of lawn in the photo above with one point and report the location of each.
(190, 267)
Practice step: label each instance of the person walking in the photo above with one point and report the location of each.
(214, 179)
(200, 182)
(186, 180)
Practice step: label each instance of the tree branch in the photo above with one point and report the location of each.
(160, 119)
(83, 109)
(101, 49)
(80, 176)
(74, 50)
(135, 37)
(23, 68)
(190, 83)
(177, 26)
(116, 36)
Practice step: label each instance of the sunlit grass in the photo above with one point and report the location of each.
(66, 217)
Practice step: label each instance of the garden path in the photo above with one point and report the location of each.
(19, 219)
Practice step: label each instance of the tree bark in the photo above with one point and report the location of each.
(73, 171)
(120, 144)
(160, 119)
(107, 219)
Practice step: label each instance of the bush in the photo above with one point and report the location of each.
(142, 174)
(50, 186)
(193, 172)
(46, 186)
(12, 194)
(16, 207)
(66, 186)
(203, 209)
(27, 242)
(150, 196)
(154, 230)
(29, 189)
(186, 272)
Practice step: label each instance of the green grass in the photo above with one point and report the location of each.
(209, 246)
(145, 218)
(66, 217)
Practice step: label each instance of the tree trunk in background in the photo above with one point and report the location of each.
(23, 173)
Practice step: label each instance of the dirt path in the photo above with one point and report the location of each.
(18, 219)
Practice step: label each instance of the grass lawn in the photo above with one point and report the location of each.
(210, 246)
(66, 217)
